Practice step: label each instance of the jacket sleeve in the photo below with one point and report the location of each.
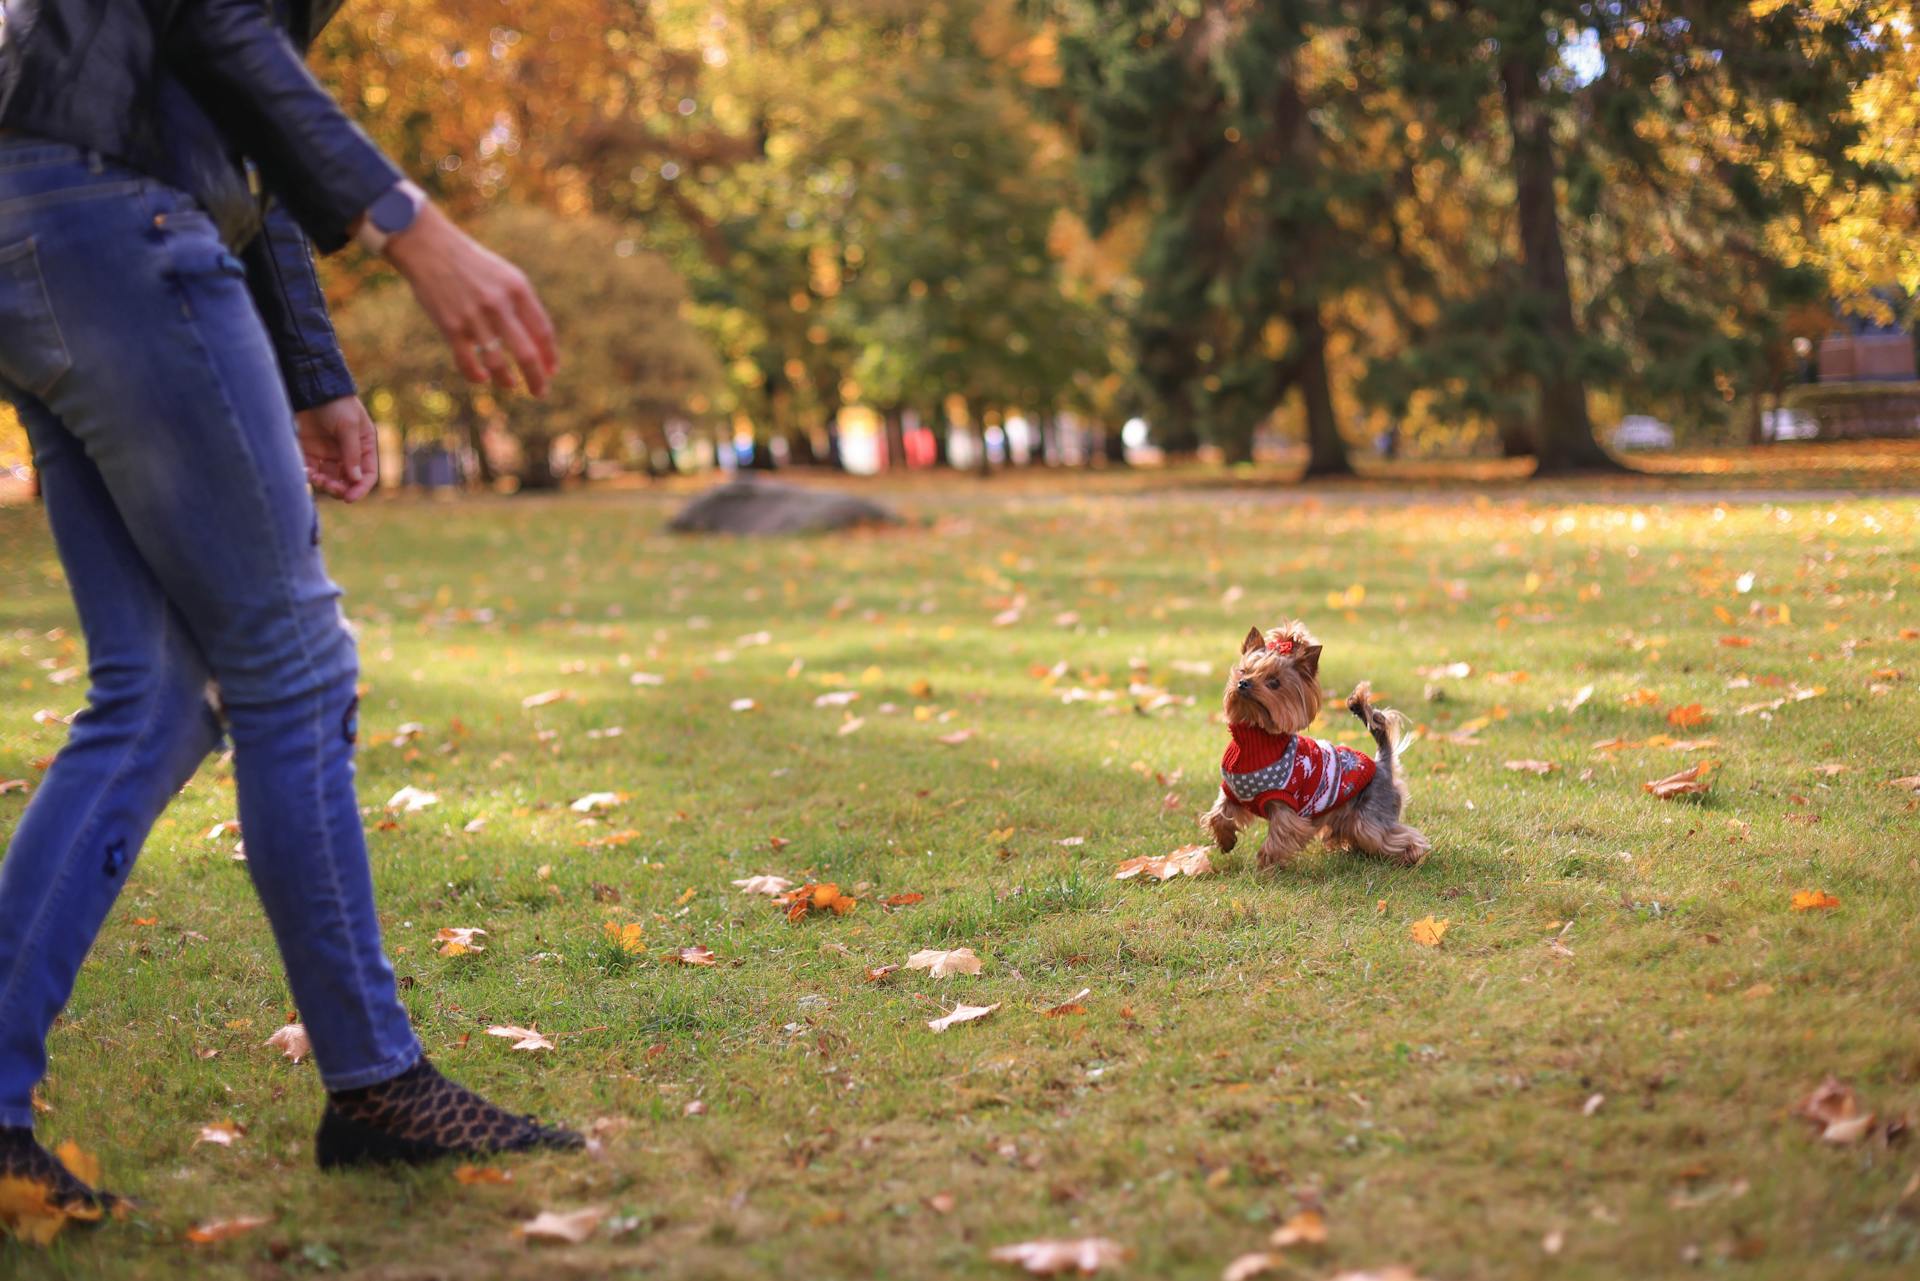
(287, 293)
(253, 82)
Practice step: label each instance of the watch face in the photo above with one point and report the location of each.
(393, 212)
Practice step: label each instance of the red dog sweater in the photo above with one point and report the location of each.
(1310, 776)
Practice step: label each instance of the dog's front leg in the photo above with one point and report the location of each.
(1287, 835)
(1225, 820)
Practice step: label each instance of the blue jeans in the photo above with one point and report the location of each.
(174, 486)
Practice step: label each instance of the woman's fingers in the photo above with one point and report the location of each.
(533, 318)
(526, 353)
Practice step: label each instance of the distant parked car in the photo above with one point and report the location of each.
(1788, 424)
(1642, 431)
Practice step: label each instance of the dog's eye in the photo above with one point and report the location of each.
(1272, 683)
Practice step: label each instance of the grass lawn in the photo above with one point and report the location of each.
(1593, 1075)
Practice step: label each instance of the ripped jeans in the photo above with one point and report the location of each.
(178, 501)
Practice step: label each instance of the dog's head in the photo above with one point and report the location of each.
(1275, 685)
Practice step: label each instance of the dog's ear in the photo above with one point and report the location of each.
(1309, 660)
(1256, 639)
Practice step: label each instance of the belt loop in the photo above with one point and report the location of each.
(95, 164)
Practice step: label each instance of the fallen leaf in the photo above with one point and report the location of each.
(220, 1133)
(1394, 1273)
(1532, 767)
(471, 1174)
(692, 956)
(1188, 860)
(771, 885)
(569, 1228)
(630, 938)
(962, 1014)
(1308, 1227)
(838, 698)
(292, 1041)
(956, 738)
(1686, 781)
(960, 960)
(902, 900)
(211, 1231)
(1688, 716)
(1428, 932)
(1911, 782)
(546, 697)
(1071, 1005)
(458, 940)
(878, 972)
(823, 897)
(1813, 900)
(743, 705)
(523, 1038)
(1593, 1104)
(597, 801)
(1579, 699)
(694, 1107)
(1836, 1110)
(12, 785)
(1252, 1265)
(1050, 1258)
(411, 800)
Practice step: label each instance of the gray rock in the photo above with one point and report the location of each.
(751, 506)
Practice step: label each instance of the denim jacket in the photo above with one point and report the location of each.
(206, 95)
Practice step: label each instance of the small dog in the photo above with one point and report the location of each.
(1306, 787)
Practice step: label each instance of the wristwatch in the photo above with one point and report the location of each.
(391, 213)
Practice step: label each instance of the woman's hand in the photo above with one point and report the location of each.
(337, 440)
(480, 301)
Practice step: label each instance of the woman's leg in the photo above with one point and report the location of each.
(144, 731)
(166, 380)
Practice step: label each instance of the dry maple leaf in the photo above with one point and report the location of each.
(1685, 782)
(879, 972)
(1071, 1005)
(1428, 932)
(962, 1014)
(597, 801)
(1688, 716)
(411, 800)
(523, 1038)
(1833, 1107)
(902, 900)
(1252, 1265)
(692, 955)
(570, 1228)
(629, 938)
(823, 897)
(1051, 1258)
(1911, 782)
(292, 1041)
(769, 885)
(960, 960)
(471, 1174)
(1188, 860)
(1308, 1227)
(211, 1231)
(1813, 900)
(1532, 767)
(546, 697)
(458, 940)
(222, 1133)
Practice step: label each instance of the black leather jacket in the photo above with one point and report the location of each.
(199, 93)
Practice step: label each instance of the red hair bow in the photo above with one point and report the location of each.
(1282, 645)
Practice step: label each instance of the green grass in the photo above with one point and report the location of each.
(1253, 1043)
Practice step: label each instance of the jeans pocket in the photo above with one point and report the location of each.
(33, 353)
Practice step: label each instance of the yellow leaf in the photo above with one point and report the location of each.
(1812, 900)
(1428, 932)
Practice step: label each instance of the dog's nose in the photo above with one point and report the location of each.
(1244, 686)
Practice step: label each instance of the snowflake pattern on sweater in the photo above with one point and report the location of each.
(1310, 776)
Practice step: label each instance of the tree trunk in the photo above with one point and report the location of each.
(1516, 437)
(536, 464)
(1114, 445)
(1326, 451)
(1564, 432)
(477, 442)
(1236, 444)
(943, 441)
(896, 427)
(977, 420)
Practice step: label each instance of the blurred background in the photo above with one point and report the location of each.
(886, 235)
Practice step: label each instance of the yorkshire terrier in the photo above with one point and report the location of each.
(1306, 787)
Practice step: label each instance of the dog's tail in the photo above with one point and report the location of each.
(1391, 731)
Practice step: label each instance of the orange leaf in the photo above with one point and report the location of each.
(903, 900)
(214, 1230)
(1428, 932)
(1812, 900)
(1686, 717)
(1681, 784)
(482, 1174)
